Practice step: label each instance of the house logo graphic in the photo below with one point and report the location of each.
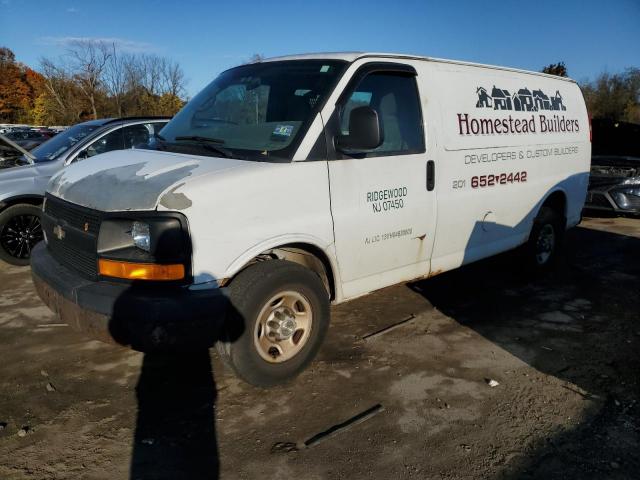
(523, 100)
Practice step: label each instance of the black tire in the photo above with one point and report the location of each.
(250, 293)
(20, 230)
(548, 227)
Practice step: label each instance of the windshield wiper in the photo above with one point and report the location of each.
(212, 144)
(198, 138)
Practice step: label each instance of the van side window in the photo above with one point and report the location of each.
(395, 98)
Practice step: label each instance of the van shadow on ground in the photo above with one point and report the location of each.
(175, 429)
(175, 434)
(592, 303)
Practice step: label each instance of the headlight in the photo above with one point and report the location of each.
(154, 247)
(141, 235)
(627, 197)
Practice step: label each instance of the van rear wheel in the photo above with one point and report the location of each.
(278, 319)
(545, 240)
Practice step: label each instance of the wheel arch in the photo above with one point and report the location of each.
(31, 199)
(304, 253)
(557, 201)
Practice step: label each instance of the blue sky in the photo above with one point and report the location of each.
(207, 37)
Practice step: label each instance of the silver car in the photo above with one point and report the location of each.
(24, 176)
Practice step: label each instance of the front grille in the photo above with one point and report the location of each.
(72, 235)
(83, 262)
(73, 215)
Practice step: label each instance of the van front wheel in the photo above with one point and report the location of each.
(278, 318)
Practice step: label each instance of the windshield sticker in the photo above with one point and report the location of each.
(324, 68)
(283, 130)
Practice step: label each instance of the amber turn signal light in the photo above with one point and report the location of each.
(140, 271)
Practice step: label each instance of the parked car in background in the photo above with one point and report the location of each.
(28, 139)
(23, 178)
(49, 132)
(8, 128)
(614, 183)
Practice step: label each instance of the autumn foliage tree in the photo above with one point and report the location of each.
(20, 86)
(93, 79)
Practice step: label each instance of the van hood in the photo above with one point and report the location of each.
(134, 179)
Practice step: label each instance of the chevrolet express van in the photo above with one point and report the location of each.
(297, 182)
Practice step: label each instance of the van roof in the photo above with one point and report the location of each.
(353, 56)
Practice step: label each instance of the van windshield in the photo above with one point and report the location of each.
(257, 111)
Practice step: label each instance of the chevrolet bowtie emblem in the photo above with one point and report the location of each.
(58, 232)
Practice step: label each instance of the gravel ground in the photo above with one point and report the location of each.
(401, 389)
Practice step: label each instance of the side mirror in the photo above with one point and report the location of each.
(365, 132)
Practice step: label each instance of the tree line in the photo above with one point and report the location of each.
(612, 96)
(93, 79)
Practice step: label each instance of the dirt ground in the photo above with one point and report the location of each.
(410, 401)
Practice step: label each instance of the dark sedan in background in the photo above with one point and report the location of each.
(614, 183)
(29, 139)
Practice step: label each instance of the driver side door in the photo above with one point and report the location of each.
(383, 211)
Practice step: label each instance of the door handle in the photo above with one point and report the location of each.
(431, 175)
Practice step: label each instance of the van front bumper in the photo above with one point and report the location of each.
(143, 316)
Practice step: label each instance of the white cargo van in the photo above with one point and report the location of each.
(296, 182)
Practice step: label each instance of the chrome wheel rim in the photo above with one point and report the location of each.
(283, 326)
(545, 244)
(20, 234)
